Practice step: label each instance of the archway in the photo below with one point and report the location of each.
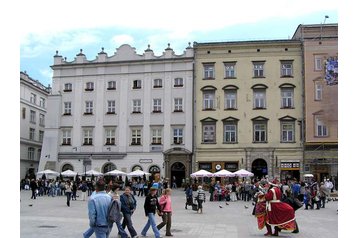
(178, 174)
(108, 167)
(155, 172)
(67, 167)
(259, 168)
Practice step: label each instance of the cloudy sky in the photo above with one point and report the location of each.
(91, 25)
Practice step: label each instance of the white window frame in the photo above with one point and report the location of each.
(137, 105)
(259, 98)
(68, 87)
(136, 136)
(111, 107)
(157, 105)
(88, 136)
(67, 108)
(208, 99)
(259, 69)
(33, 116)
(31, 153)
(112, 85)
(42, 102)
(178, 82)
(32, 134)
(321, 129)
(287, 134)
(137, 84)
(89, 107)
(209, 132)
(286, 68)
(66, 137)
(89, 86)
(110, 136)
(42, 119)
(230, 99)
(33, 98)
(230, 70)
(260, 127)
(156, 136)
(287, 97)
(230, 132)
(318, 62)
(318, 87)
(157, 83)
(41, 135)
(209, 71)
(178, 105)
(178, 136)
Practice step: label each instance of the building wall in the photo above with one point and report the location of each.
(244, 152)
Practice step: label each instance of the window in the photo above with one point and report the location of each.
(178, 82)
(68, 87)
(111, 85)
(41, 136)
(136, 137)
(32, 116)
(287, 131)
(178, 136)
(178, 104)
(259, 98)
(23, 113)
(209, 71)
(89, 86)
(89, 107)
(87, 136)
(260, 131)
(157, 105)
(208, 99)
(230, 132)
(156, 136)
(30, 153)
(67, 108)
(230, 99)
(321, 128)
(229, 70)
(111, 107)
(137, 105)
(32, 134)
(287, 98)
(42, 102)
(209, 132)
(66, 137)
(286, 69)
(137, 84)
(318, 62)
(42, 119)
(258, 69)
(110, 136)
(318, 91)
(158, 83)
(33, 98)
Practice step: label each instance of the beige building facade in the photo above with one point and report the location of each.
(320, 43)
(248, 107)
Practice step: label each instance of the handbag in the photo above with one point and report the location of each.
(194, 206)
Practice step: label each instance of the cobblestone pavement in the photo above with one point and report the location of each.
(48, 217)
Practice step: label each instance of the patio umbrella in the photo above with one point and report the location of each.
(224, 173)
(243, 173)
(115, 172)
(68, 173)
(201, 173)
(308, 175)
(137, 173)
(92, 172)
(48, 172)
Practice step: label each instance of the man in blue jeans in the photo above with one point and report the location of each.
(98, 211)
(150, 205)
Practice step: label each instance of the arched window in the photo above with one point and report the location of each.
(67, 167)
(137, 167)
(108, 167)
(154, 169)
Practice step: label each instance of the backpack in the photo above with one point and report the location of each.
(114, 211)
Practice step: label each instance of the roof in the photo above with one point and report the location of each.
(24, 76)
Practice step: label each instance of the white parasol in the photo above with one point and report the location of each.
(224, 173)
(201, 173)
(68, 173)
(115, 172)
(92, 172)
(243, 173)
(137, 173)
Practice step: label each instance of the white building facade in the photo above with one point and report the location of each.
(33, 104)
(124, 112)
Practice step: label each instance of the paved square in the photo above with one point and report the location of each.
(50, 217)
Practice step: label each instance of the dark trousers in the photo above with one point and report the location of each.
(167, 221)
(121, 231)
(323, 202)
(141, 192)
(74, 195)
(127, 221)
(33, 196)
(68, 194)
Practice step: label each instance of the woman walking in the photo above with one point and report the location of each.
(68, 191)
(200, 198)
(166, 204)
(116, 214)
(189, 196)
(150, 205)
(129, 204)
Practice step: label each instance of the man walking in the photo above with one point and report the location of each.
(98, 211)
(33, 186)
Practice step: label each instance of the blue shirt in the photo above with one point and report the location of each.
(98, 209)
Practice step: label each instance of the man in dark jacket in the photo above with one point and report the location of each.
(33, 186)
(150, 205)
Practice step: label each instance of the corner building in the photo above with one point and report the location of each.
(125, 111)
(248, 107)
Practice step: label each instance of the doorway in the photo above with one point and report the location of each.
(177, 174)
(259, 168)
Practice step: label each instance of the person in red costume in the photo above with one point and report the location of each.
(279, 214)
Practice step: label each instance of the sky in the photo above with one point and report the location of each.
(76, 25)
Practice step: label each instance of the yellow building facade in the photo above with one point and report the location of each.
(248, 107)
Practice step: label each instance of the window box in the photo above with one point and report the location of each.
(230, 78)
(258, 77)
(157, 111)
(178, 111)
(286, 76)
(136, 87)
(259, 142)
(111, 113)
(287, 107)
(111, 88)
(89, 89)
(208, 109)
(209, 78)
(259, 108)
(66, 144)
(157, 86)
(133, 143)
(178, 85)
(156, 143)
(109, 143)
(88, 113)
(136, 112)
(67, 114)
(230, 109)
(67, 90)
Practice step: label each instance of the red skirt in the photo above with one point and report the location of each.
(281, 215)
